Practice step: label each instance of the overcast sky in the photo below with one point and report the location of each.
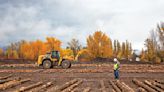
(66, 19)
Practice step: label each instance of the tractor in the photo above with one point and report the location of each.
(53, 58)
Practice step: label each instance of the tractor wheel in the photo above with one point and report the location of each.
(47, 64)
(66, 64)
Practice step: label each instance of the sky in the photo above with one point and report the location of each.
(124, 20)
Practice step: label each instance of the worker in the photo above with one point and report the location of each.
(116, 68)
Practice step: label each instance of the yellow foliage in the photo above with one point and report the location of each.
(12, 54)
(31, 50)
(15, 54)
(83, 55)
(99, 45)
(157, 60)
(53, 43)
(66, 52)
(1, 51)
(119, 55)
(26, 51)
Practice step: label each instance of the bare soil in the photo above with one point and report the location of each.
(81, 77)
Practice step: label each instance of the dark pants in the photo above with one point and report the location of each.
(116, 74)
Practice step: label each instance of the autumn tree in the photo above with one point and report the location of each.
(150, 49)
(26, 50)
(75, 46)
(143, 55)
(115, 48)
(53, 43)
(155, 44)
(12, 51)
(99, 45)
(127, 46)
(160, 32)
(1, 53)
(38, 48)
(128, 49)
(31, 50)
(11, 54)
(22, 49)
(118, 52)
(122, 51)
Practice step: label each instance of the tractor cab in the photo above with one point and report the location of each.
(55, 54)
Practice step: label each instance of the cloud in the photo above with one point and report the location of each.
(123, 20)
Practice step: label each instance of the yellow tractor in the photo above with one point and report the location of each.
(53, 59)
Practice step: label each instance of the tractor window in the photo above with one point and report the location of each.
(58, 55)
(55, 54)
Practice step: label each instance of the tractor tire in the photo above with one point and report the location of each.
(47, 64)
(66, 64)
